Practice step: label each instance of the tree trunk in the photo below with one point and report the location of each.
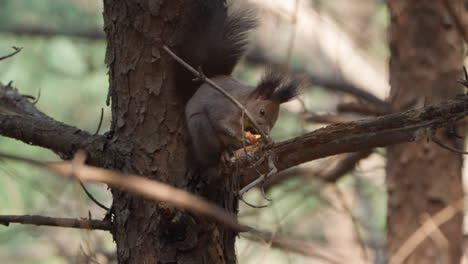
(149, 126)
(423, 178)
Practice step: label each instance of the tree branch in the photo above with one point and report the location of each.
(346, 163)
(357, 135)
(21, 120)
(17, 50)
(152, 190)
(53, 221)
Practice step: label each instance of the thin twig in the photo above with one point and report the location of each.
(355, 221)
(155, 190)
(465, 81)
(100, 122)
(203, 78)
(273, 170)
(136, 184)
(252, 205)
(433, 138)
(76, 162)
(17, 50)
(425, 230)
(38, 97)
(54, 221)
(91, 197)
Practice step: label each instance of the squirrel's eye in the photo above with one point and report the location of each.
(262, 111)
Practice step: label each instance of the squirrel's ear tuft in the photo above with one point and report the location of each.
(278, 87)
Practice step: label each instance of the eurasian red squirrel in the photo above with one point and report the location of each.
(215, 42)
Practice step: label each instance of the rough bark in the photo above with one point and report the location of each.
(148, 112)
(422, 178)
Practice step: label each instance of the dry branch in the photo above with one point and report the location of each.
(426, 229)
(358, 135)
(53, 221)
(21, 120)
(153, 190)
(17, 50)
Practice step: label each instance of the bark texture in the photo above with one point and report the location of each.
(149, 115)
(422, 178)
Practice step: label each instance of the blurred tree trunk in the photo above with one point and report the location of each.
(422, 178)
(148, 121)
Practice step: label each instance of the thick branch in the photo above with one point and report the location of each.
(358, 135)
(53, 221)
(21, 120)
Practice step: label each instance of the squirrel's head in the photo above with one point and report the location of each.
(274, 89)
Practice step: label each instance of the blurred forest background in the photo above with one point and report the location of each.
(330, 39)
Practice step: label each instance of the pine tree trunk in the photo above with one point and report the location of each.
(148, 124)
(422, 178)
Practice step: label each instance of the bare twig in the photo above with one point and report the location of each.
(100, 122)
(425, 230)
(17, 50)
(53, 221)
(162, 192)
(437, 236)
(349, 212)
(91, 197)
(272, 171)
(139, 185)
(439, 142)
(203, 78)
(38, 97)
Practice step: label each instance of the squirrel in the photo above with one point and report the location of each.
(215, 43)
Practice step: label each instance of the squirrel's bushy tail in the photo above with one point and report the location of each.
(214, 38)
